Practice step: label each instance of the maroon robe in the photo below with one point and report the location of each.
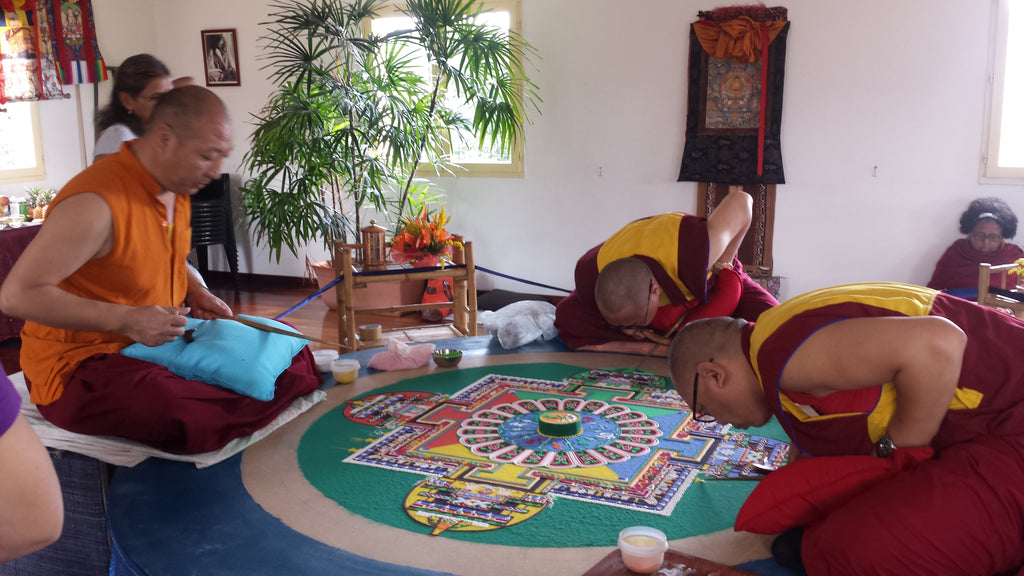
(580, 323)
(959, 514)
(958, 267)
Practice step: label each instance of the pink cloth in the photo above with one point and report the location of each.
(401, 356)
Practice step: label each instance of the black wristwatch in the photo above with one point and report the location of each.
(885, 447)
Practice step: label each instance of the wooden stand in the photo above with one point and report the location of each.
(463, 274)
(987, 298)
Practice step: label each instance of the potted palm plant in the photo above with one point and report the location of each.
(352, 119)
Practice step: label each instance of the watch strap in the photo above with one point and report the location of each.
(885, 447)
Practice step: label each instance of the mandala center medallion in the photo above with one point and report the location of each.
(559, 424)
(559, 433)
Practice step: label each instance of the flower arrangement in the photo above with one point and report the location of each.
(423, 240)
(1019, 270)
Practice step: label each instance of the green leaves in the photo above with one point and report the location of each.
(354, 114)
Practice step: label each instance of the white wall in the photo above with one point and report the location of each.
(897, 85)
(67, 134)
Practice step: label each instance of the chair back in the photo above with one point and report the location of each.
(1004, 296)
(212, 221)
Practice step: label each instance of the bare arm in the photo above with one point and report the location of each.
(920, 355)
(31, 508)
(77, 230)
(728, 224)
(625, 347)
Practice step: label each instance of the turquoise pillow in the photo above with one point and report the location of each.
(227, 353)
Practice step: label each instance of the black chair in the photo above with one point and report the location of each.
(212, 224)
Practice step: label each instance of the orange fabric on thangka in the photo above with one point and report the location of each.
(739, 39)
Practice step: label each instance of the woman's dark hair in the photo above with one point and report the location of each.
(993, 208)
(131, 77)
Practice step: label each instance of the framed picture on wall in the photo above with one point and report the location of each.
(220, 53)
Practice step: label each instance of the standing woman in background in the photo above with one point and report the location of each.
(138, 83)
(988, 223)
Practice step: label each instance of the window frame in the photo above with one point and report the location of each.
(515, 168)
(991, 171)
(37, 172)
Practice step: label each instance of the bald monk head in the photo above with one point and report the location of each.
(187, 139)
(627, 295)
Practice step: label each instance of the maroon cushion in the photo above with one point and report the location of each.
(805, 491)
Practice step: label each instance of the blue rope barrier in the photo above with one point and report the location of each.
(480, 268)
(330, 285)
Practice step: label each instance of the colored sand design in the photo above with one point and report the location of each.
(473, 459)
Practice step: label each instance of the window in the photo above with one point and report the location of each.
(1004, 153)
(21, 147)
(503, 14)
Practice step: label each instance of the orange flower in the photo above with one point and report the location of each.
(422, 235)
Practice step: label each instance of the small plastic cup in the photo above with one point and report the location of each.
(345, 370)
(371, 332)
(643, 548)
(324, 358)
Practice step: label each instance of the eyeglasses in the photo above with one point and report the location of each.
(647, 306)
(699, 416)
(979, 237)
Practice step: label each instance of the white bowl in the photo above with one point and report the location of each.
(324, 358)
(643, 548)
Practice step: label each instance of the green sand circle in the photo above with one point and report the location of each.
(378, 494)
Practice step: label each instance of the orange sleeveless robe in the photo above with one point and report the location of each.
(146, 266)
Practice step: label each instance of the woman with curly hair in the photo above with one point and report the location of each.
(988, 223)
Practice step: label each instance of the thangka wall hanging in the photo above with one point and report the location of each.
(78, 52)
(44, 44)
(734, 107)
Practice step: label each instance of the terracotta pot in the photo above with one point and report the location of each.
(427, 261)
(420, 259)
(376, 295)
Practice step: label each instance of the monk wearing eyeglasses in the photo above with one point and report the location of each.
(906, 407)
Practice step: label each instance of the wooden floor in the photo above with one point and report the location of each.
(268, 297)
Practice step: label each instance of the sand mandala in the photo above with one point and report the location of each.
(505, 448)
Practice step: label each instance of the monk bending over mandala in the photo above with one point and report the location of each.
(108, 269)
(657, 273)
(907, 406)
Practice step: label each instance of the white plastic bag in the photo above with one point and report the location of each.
(520, 323)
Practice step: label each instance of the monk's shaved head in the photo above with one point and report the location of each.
(623, 289)
(184, 108)
(701, 340)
